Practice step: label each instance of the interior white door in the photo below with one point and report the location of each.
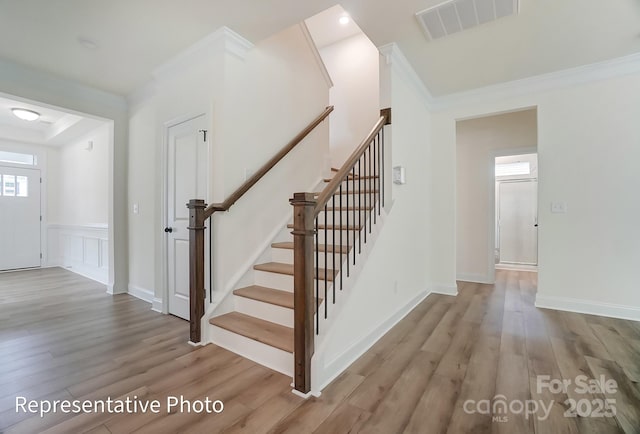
(186, 179)
(19, 218)
(518, 219)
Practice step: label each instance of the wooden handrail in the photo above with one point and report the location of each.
(327, 193)
(240, 191)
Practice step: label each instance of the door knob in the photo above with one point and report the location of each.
(169, 230)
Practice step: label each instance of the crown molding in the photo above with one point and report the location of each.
(222, 41)
(545, 82)
(394, 57)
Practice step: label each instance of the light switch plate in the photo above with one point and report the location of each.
(558, 207)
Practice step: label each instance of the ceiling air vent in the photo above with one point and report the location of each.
(454, 16)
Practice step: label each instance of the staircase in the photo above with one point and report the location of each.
(274, 320)
(261, 326)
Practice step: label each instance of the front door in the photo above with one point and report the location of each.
(518, 218)
(186, 179)
(19, 218)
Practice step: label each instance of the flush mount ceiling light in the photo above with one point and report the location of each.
(25, 115)
(344, 20)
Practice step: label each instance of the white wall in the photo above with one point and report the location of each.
(255, 104)
(78, 210)
(397, 272)
(353, 65)
(588, 139)
(144, 161)
(81, 181)
(478, 142)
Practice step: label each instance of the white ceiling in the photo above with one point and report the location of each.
(136, 36)
(326, 29)
(53, 128)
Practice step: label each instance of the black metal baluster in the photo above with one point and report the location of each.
(333, 248)
(380, 187)
(375, 180)
(371, 204)
(383, 164)
(353, 187)
(363, 178)
(348, 260)
(377, 171)
(325, 262)
(210, 259)
(340, 211)
(359, 205)
(317, 281)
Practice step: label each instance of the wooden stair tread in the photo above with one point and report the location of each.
(267, 295)
(337, 227)
(268, 333)
(281, 268)
(321, 247)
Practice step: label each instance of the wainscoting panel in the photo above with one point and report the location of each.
(81, 249)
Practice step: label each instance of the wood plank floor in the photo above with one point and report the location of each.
(63, 338)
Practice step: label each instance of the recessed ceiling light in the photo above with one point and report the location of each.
(87, 43)
(25, 115)
(344, 20)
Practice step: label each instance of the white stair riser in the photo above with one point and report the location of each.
(283, 282)
(347, 237)
(266, 311)
(373, 183)
(263, 354)
(345, 214)
(286, 256)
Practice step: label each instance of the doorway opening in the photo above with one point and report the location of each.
(516, 212)
(479, 141)
(56, 187)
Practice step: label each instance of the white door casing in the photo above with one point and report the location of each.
(517, 222)
(20, 224)
(187, 158)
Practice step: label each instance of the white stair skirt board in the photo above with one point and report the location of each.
(266, 311)
(266, 355)
(588, 307)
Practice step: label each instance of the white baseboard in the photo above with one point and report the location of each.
(141, 293)
(517, 267)
(444, 289)
(474, 278)
(588, 307)
(344, 360)
(157, 305)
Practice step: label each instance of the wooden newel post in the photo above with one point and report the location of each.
(196, 267)
(303, 300)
